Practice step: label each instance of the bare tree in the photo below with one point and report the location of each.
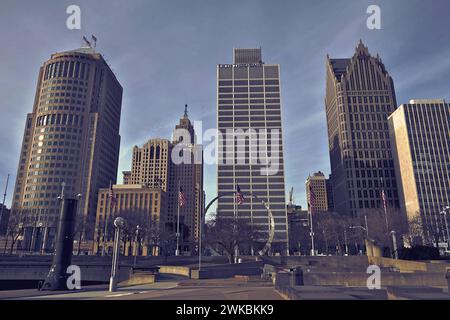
(415, 233)
(14, 229)
(225, 234)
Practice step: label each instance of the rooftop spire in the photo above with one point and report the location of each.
(185, 111)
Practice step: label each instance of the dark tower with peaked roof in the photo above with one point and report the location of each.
(359, 98)
(189, 176)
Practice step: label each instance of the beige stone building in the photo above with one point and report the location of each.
(420, 139)
(359, 98)
(151, 163)
(320, 186)
(138, 205)
(71, 137)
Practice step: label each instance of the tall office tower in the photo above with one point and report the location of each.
(71, 136)
(359, 97)
(187, 173)
(319, 185)
(151, 164)
(421, 145)
(250, 141)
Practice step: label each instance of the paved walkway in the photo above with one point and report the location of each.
(222, 289)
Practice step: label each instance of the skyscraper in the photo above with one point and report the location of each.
(250, 142)
(170, 164)
(360, 96)
(421, 144)
(71, 136)
(187, 174)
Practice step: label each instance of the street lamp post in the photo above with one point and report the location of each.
(394, 244)
(119, 223)
(136, 245)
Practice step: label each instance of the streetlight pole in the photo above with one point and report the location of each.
(136, 245)
(394, 243)
(119, 223)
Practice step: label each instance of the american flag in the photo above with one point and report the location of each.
(239, 196)
(383, 196)
(312, 197)
(111, 195)
(181, 198)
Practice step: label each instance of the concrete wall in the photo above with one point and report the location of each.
(228, 270)
(178, 270)
(39, 272)
(387, 279)
(138, 279)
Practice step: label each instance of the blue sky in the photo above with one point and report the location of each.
(165, 53)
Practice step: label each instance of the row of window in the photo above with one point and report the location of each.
(246, 101)
(67, 69)
(248, 82)
(249, 89)
(246, 95)
(59, 119)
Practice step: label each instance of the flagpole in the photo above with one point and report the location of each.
(383, 195)
(177, 251)
(313, 251)
(105, 228)
(236, 253)
(200, 236)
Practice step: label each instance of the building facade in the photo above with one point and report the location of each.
(138, 205)
(151, 164)
(187, 173)
(359, 98)
(171, 164)
(321, 188)
(421, 144)
(250, 142)
(71, 137)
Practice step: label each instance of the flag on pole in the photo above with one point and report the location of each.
(181, 198)
(239, 196)
(383, 196)
(112, 196)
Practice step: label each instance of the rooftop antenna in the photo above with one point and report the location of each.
(94, 39)
(185, 111)
(87, 42)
